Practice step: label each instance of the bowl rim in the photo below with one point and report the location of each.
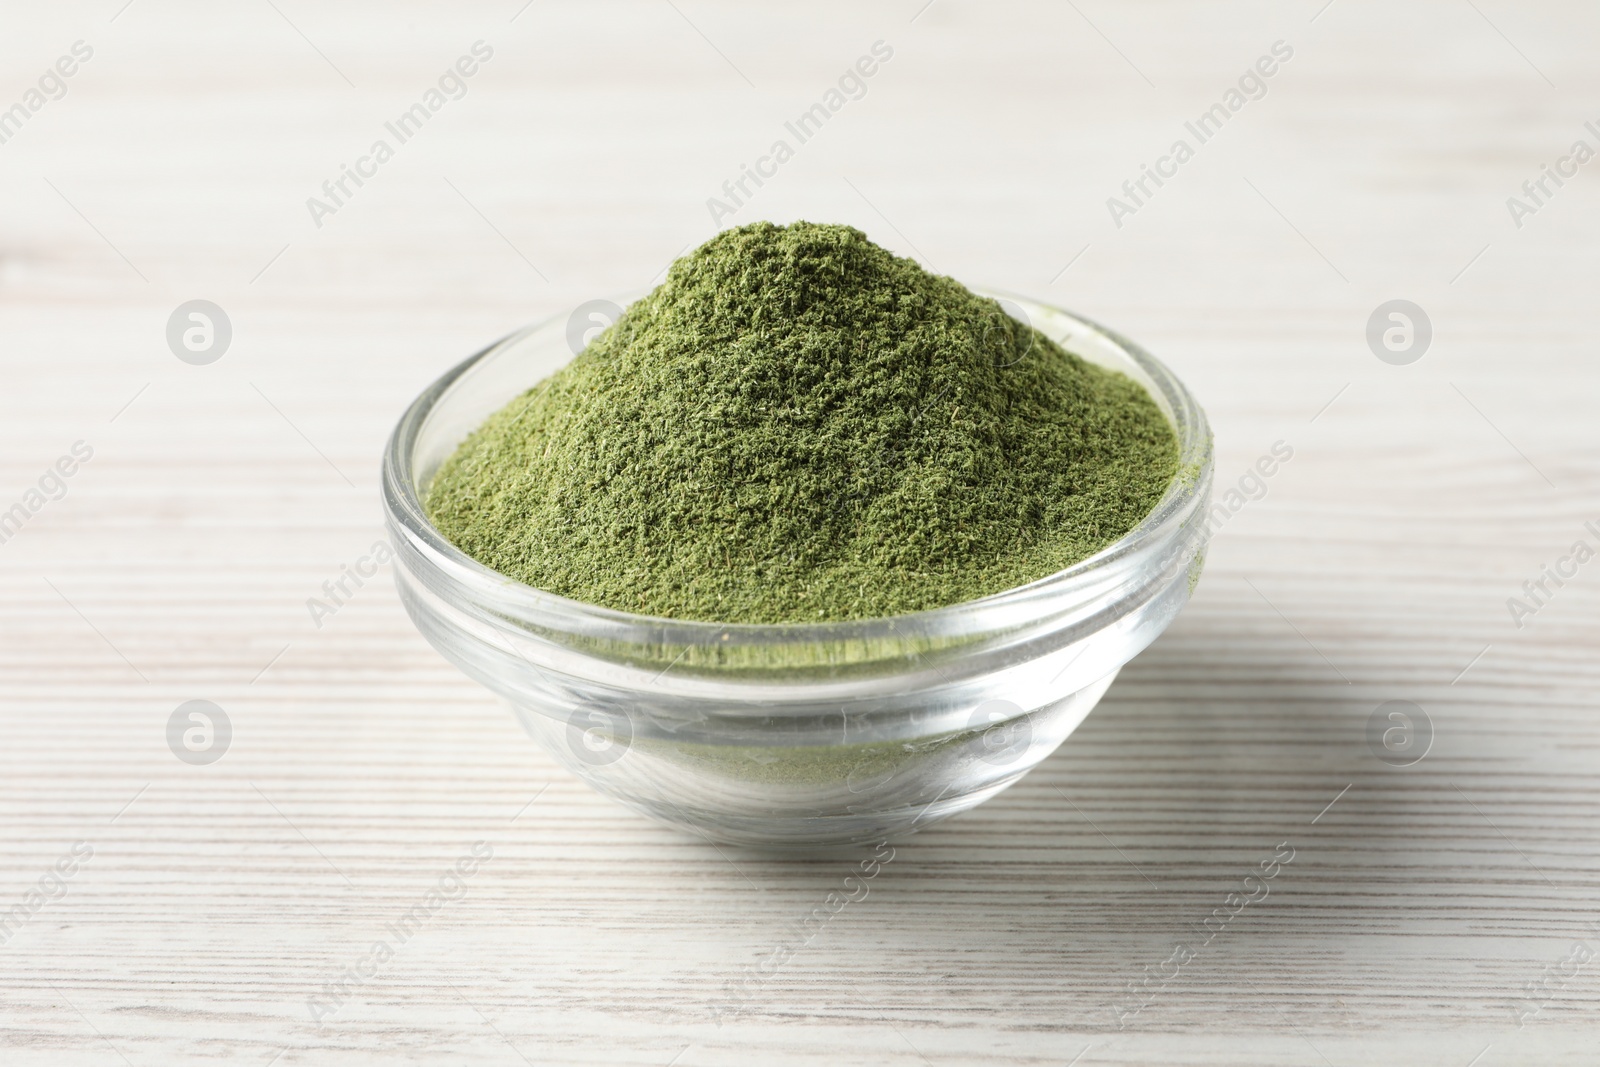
(1158, 536)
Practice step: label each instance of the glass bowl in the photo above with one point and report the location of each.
(806, 735)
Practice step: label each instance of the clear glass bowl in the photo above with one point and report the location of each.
(805, 735)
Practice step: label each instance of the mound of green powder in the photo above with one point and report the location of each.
(798, 426)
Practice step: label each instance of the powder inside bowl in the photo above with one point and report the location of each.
(800, 426)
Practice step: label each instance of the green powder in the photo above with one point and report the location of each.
(800, 426)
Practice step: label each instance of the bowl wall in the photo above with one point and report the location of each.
(802, 735)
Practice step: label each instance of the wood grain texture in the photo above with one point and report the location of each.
(220, 898)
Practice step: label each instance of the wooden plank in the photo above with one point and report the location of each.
(220, 899)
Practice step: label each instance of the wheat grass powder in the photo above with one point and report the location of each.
(799, 426)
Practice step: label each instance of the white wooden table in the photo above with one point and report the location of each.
(1425, 907)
